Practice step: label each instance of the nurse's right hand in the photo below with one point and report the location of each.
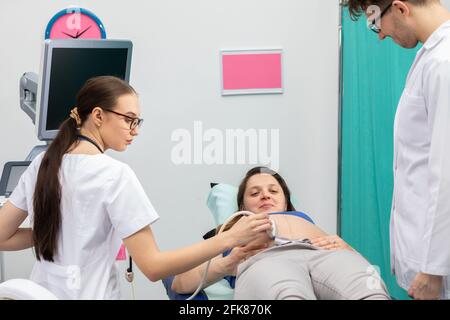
(249, 227)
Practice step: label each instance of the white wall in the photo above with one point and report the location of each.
(176, 71)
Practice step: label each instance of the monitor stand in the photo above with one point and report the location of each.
(36, 151)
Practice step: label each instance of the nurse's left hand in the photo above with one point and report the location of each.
(426, 287)
(330, 243)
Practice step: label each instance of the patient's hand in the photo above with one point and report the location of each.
(230, 262)
(330, 243)
(240, 254)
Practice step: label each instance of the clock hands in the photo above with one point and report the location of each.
(68, 35)
(79, 34)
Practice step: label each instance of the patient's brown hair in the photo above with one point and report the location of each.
(262, 170)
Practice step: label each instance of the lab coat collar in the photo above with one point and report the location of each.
(437, 36)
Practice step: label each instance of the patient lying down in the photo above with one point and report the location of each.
(302, 262)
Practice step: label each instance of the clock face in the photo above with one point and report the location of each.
(75, 24)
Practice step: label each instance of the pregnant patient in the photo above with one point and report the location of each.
(300, 262)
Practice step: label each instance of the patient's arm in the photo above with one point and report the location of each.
(189, 281)
(219, 268)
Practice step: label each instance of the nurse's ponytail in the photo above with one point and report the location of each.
(97, 92)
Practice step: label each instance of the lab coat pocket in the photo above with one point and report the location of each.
(410, 208)
(412, 120)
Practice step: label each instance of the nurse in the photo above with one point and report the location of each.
(420, 217)
(83, 204)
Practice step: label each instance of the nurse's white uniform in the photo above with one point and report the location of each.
(102, 203)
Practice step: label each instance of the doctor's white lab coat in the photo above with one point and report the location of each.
(420, 217)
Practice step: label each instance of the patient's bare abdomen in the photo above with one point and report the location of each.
(295, 228)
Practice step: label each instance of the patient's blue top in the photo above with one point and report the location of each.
(294, 213)
(232, 279)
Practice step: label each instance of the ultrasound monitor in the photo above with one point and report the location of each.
(66, 66)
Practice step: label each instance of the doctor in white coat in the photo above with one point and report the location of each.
(420, 217)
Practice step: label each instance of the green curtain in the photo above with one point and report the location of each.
(374, 74)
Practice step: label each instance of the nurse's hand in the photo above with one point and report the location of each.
(248, 228)
(426, 287)
(330, 243)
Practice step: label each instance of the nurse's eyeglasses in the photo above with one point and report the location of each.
(134, 122)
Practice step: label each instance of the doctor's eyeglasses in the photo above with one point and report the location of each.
(133, 122)
(374, 24)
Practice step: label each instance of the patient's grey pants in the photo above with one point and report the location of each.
(302, 271)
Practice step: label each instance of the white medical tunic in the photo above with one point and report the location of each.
(420, 217)
(102, 203)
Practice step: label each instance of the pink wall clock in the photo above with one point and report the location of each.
(75, 23)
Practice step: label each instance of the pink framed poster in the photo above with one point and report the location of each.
(251, 71)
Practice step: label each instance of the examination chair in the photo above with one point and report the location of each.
(21, 289)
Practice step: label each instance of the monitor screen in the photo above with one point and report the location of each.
(66, 66)
(70, 68)
(12, 171)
